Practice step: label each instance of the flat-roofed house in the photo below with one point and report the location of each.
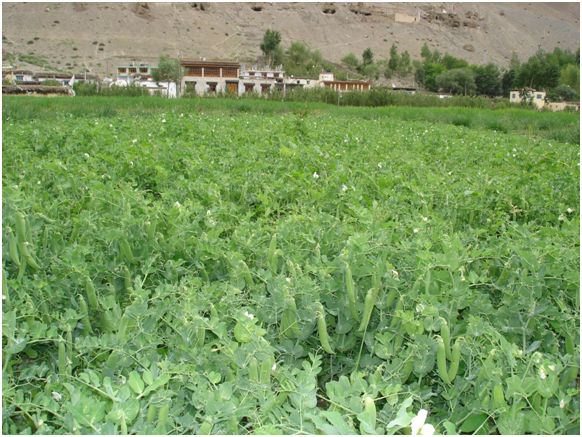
(260, 80)
(210, 77)
(528, 95)
(327, 80)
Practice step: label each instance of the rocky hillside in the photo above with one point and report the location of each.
(68, 36)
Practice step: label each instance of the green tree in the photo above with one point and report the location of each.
(507, 82)
(428, 73)
(168, 70)
(425, 53)
(487, 79)
(450, 62)
(394, 60)
(570, 75)
(405, 64)
(351, 60)
(562, 93)
(541, 71)
(271, 45)
(457, 81)
(367, 56)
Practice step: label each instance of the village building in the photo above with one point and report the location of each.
(300, 82)
(65, 78)
(129, 73)
(327, 80)
(210, 77)
(528, 95)
(260, 80)
(18, 75)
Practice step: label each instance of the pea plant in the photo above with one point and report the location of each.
(295, 273)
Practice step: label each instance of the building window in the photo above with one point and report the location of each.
(212, 72)
(194, 71)
(143, 70)
(212, 87)
(265, 88)
(122, 70)
(249, 87)
(538, 96)
(19, 77)
(514, 95)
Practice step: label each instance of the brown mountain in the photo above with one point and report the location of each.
(67, 36)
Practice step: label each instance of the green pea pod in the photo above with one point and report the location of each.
(455, 359)
(569, 344)
(498, 397)
(322, 330)
(151, 414)
(407, 370)
(5, 291)
(272, 254)
(20, 227)
(123, 425)
(569, 376)
(13, 249)
(253, 370)
(205, 428)
(266, 369)
(399, 306)
(27, 256)
(87, 328)
(351, 292)
(247, 274)
(442, 360)
(125, 250)
(91, 295)
(446, 336)
(369, 303)
(62, 358)
(289, 320)
(127, 279)
(163, 415)
(390, 297)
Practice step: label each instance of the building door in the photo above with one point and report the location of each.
(265, 88)
(232, 87)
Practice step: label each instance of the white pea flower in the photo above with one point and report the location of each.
(380, 165)
(344, 188)
(274, 367)
(417, 423)
(163, 120)
(288, 280)
(181, 115)
(569, 210)
(394, 273)
(561, 217)
(552, 367)
(57, 396)
(315, 175)
(562, 404)
(543, 373)
(415, 230)
(134, 140)
(110, 125)
(86, 155)
(177, 204)
(425, 219)
(427, 429)
(249, 315)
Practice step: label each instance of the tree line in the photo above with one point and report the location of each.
(557, 72)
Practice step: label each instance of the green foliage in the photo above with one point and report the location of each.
(562, 93)
(351, 60)
(367, 57)
(487, 80)
(457, 81)
(271, 46)
(51, 82)
(570, 76)
(394, 60)
(168, 70)
(541, 71)
(95, 89)
(188, 265)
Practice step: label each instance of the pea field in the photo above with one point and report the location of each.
(225, 267)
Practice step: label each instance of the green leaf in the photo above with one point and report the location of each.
(473, 422)
(135, 382)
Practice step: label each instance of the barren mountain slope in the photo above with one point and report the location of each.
(102, 35)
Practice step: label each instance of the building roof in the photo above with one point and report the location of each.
(195, 63)
(363, 82)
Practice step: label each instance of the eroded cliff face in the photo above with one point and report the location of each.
(101, 35)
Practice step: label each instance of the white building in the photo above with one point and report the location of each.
(527, 95)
